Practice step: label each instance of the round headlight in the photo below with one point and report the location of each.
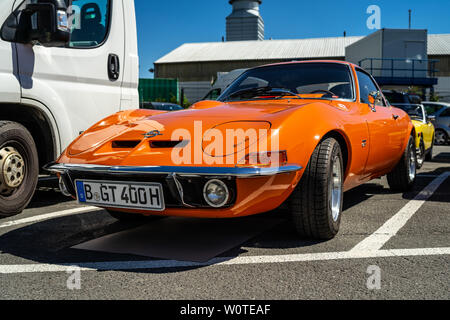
(216, 193)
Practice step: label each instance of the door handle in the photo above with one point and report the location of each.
(113, 67)
(395, 116)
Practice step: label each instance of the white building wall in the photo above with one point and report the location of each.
(442, 89)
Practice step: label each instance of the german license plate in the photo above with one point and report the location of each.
(127, 195)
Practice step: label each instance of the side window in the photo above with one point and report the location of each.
(89, 23)
(213, 94)
(366, 86)
(446, 113)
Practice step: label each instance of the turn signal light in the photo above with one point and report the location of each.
(265, 159)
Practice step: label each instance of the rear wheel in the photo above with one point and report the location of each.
(19, 168)
(403, 177)
(127, 216)
(441, 137)
(421, 154)
(316, 203)
(429, 156)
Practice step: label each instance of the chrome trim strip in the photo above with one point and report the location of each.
(178, 170)
(180, 190)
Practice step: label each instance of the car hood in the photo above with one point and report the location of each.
(145, 137)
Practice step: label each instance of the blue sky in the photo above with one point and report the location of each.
(163, 25)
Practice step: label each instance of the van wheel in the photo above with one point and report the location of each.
(403, 177)
(127, 216)
(19, 168)
(316, 203)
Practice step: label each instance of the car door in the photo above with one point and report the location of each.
(385, 134)
(81, 82)
(428, 130)
(443, 120)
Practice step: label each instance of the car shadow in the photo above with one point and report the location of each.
(441, 194)
(442, 157)
(45, 197)
(50, 241)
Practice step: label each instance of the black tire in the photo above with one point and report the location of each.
(127, 216)
(310, 203)
(429, 156)
(403, 176)
(421, 155)
(443, 134)
(15, 135)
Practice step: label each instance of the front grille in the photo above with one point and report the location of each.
(169, 198)
(192, 186)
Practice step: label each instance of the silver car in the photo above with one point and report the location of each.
(441, 112)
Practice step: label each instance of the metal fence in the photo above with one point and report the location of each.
(159, 90)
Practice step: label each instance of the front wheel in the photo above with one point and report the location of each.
(19, 168)
(316, 203)
(403, 176)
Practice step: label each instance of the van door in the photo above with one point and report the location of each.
(9, 86)
(80, 83)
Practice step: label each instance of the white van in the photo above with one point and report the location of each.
(64, 64)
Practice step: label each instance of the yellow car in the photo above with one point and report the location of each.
(424, 131)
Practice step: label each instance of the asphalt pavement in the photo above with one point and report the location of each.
(390, 246)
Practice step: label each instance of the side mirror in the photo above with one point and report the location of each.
(45, 22)
(431, 118)
(374, 98)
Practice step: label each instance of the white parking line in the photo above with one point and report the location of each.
(246, 260)
(390, 228)
(48, 216)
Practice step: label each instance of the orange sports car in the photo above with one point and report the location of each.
(298, 132)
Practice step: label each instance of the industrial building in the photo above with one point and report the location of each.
(398, 58)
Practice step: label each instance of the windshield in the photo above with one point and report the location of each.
(394, 97)
(413, 110)
(296, 80)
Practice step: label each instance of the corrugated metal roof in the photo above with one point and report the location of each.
(438, 44)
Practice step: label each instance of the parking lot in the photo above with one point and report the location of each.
(403, 237)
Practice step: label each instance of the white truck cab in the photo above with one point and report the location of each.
(64, 65)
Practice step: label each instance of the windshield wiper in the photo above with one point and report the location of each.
(285, 92)
(266, 90)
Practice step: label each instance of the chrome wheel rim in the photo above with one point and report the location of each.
(412, 164)
(335, 189)
(440, 137)
(420, 157)
(12, 170)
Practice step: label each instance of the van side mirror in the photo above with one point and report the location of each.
(374, 98)
(45, 22)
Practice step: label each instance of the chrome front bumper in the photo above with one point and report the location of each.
(239, 172)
